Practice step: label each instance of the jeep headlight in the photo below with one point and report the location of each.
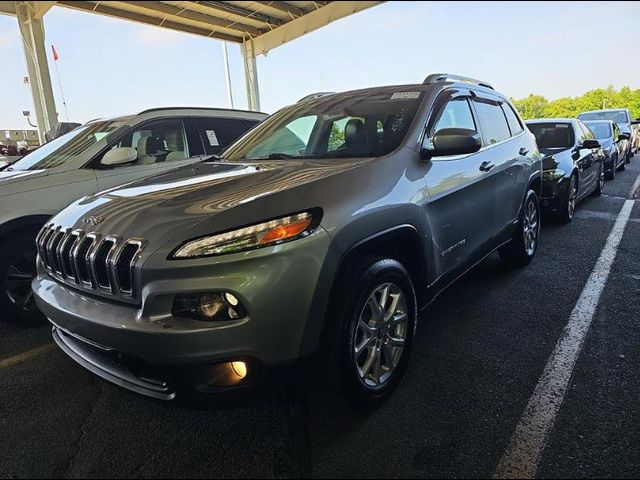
(272, 232)
(552, 175)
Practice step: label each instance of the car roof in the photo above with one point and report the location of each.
(598, 121)
(605, 110)
(185, 111)
(551, 120)
(421, 87)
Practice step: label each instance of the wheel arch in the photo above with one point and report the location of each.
(402, 243)
(28, 222)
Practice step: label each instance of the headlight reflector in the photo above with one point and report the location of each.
(263, 234)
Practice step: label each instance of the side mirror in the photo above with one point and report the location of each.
(624, 136)
(119, 156)
(451, 141)
(590, 144)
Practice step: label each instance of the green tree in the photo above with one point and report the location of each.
(537, 106)
(532, 106)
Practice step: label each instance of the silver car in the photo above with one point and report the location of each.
(96, 156)
(320, 234)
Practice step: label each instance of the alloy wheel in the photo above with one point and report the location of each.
(380, 335)
(18, 280)
(530, 228)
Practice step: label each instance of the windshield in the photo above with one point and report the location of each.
(616, 116)
(66, 147)
(552, 135)
(602, 131)
(366, 124)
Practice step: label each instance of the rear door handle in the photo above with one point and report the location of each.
(486, 166)
(523, 151)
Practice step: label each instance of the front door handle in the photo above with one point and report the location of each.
(523, 151)
(486, 166)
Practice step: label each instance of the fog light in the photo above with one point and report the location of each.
(231, 299)
(239, 368)
(208, 306)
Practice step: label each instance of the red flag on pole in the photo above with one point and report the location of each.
(55, 54)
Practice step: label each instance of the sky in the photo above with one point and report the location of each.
(110, 67)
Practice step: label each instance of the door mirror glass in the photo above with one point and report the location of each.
(119, 156)
(590, 143)
(452, 141)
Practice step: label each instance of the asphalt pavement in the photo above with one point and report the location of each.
(480, 351)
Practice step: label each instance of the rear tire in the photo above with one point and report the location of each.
(17, 270)
(523, 245)
(379, 316)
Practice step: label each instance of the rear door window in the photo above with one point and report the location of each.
(492, 121)
(512, 119)
(218, 133)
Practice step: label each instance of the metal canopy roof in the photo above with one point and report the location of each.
(257, 26)
(268, 24)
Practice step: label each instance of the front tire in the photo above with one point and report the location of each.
(378, 328)
(611, 175)
(17, 270)
(597, 191)
(523, 245)
(569, 202)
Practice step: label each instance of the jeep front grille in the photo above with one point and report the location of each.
(90, 260)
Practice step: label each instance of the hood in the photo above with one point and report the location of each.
(225, 195)
(10, 180)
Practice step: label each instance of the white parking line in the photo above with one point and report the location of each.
(522, 456)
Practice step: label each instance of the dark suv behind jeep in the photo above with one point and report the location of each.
(325, 229)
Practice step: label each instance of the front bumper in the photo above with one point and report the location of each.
(277, 286)
(553, 194)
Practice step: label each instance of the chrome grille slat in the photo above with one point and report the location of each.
(49, 250)
(89, 260)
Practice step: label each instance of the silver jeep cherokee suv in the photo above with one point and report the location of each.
(325, 229)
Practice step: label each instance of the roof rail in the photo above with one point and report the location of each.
(313, 96)
(158, 109)
(441, 77)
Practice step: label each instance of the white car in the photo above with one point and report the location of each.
(99, 155)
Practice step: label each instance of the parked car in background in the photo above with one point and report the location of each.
(635, 127)
(325, 229)
(96, 156)
(10, 154)
(573, 164)
(620, 116)
(614, 145)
